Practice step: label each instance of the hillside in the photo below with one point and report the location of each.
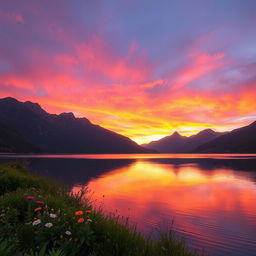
(31, 129)
(176, 143)
(241, 140)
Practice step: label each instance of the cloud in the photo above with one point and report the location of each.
(200, 65)
(104, 62)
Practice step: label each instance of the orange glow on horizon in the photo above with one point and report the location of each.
(118, 92)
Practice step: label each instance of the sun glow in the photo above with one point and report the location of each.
(129, 82)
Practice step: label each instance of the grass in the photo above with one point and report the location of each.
(39, 217)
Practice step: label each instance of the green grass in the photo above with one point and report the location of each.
(59, 231)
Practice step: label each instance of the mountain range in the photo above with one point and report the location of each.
(26, 128)
(177, 143)
(241, 140)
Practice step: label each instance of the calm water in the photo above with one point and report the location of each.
(212, 198)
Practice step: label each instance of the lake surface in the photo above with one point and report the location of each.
(211, 198)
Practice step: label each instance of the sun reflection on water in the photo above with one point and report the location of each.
(205, 204)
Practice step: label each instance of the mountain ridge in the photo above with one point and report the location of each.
(239, 140)
(63, 133)
(177, 143)
(25, 127)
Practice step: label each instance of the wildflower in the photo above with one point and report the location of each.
(68, 233)
(38, 209)
(36, 222)
(53, 216)
(89, 220)
(78, 213)
(30, 197)
(48, 225)
(88, 211)
(80, 220)
(40, 202)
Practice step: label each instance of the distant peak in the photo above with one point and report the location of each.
(9, 99)
(206, 131)
(67, 115)
(35, 107)
(32, 104)
(176, 134)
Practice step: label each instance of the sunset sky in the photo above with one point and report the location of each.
(142, 68)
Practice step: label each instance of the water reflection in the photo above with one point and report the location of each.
(211, 197)
(212, 208)
(68, 171)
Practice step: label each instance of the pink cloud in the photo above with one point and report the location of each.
(200, 65)
(119, 89)
(13, 17)
(97, 57)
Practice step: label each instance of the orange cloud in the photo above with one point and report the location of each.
(121, 91)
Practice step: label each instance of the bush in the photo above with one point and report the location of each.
(14, 176)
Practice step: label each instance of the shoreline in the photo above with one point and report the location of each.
(29, 202)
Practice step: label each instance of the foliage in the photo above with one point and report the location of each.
(15, 175)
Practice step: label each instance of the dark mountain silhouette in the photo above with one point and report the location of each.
(202, 137)
(26, 127)
(169, 144)
(176, 143)
(241, 140)
(12, 141)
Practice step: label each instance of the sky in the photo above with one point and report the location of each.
(142, 68)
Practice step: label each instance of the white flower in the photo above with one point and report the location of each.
(89, 220)
(36, 222)
(48, 225)
(53, 216)
(68, 233)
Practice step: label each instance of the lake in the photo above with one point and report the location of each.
(211, 199)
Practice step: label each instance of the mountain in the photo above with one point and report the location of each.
(176, 143)
(202, 137)
(169, 144)
(241, 140)
(12, 141)
(26, 127)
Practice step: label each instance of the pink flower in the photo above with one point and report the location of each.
(40, 202)
(53, 216)
(48, 225)
(68, 233)
(36, 222)
(30, 197)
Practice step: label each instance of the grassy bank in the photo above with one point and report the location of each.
(39, 217)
